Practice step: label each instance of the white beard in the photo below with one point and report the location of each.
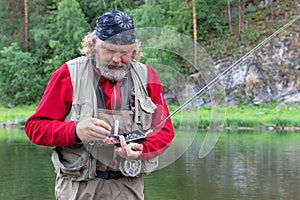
(112, 71)
(113, 74)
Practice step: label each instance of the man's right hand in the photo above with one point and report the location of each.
(92, 129)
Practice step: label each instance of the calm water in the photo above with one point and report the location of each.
(244, 165)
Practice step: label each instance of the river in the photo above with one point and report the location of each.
(242, 165)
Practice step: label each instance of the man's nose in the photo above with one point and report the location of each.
(116, 59)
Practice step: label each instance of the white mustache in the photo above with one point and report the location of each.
(114, 72)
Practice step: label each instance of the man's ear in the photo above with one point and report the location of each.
(133, 55)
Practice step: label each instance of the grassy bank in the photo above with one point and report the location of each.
(242, 116)
(237, 116)
(16, 115)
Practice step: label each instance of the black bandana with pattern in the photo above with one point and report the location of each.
(116, 27)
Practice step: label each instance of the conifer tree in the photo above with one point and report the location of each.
(68, 29)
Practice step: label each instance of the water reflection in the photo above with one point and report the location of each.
(25, 170)
(244, 165)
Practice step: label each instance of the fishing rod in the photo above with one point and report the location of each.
(226, 71)
(138, 136)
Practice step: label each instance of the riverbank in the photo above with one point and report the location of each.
(246, 117)
(15, 116)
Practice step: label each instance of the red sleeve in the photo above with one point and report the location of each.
(161, 138)
(46, 126)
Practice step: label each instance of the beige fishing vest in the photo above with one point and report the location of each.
(82, 160)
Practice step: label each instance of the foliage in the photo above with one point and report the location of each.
(56, 28)
(67, 30)
(11, 18)
(209, 18)
(92, 9)
(155, 48)
(19, 76)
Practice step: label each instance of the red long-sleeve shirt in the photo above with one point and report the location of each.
(47, 127)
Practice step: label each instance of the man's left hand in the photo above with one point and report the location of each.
(129, 151)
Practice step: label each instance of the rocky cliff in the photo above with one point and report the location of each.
(271, 74)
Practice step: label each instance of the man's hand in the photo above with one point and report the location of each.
(129, 151)
(92, 129)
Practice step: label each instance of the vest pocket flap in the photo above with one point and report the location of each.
(81, 109)
(69, 163)
(146, 104)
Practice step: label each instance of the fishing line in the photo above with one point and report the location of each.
(226, 71)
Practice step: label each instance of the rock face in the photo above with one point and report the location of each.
(271, 74)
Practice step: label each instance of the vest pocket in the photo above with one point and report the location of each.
(146, 109)
(82, 109)
(76, 163)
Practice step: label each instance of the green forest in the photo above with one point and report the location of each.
(38, 36)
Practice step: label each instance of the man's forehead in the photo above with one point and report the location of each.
(117, 46)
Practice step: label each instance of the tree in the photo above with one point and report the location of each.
(15, 13)
(272, 9)
(243, 14)
(195, 34)
(20, 79)
(11, 13)
(241, 21)
(229, 16)
(92, 9)
(209, 18)
(26, 24)
(67, 30)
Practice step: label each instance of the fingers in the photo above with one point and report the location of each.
(92, 129)
(95, 134)
(137, 147)
(123, 143)
(101, 123)
(100, 129)
(129, 151)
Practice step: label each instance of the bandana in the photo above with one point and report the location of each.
(116, 27)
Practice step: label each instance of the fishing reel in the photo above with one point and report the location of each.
(130, 168)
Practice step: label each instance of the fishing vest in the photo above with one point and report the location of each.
(81, 161)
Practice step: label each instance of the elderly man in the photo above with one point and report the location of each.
(95, 98)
